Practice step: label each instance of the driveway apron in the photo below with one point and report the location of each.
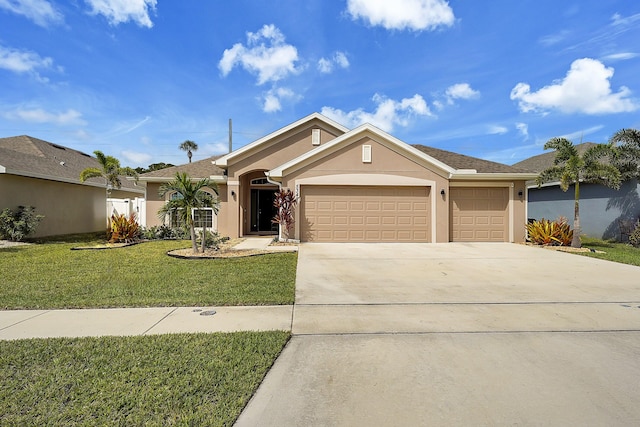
(456, 334)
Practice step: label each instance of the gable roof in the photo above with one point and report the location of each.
(32, 157)
(196, 170)
(450, 164)
(223, 160)
(543, 161)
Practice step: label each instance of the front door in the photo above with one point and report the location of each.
(262, 211)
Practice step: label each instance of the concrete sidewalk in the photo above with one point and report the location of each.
(19, 324)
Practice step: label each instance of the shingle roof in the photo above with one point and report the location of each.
(543, 161)
(460, 161)
(196, 170)
(29, 156)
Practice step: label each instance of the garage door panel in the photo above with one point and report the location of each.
(479, 214)
(374, 214)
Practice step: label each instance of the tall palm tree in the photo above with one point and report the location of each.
(109, 169)
(190, 195)
(627, 155)
(571, 168)
(189, 147)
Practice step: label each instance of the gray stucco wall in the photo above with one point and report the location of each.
(600, 207)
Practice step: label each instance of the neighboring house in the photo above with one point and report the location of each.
(603, 210)
(360, 185)
(38, 173)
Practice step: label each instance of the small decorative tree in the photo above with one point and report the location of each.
(15, 226)
(190, 195)
(571, 168)
(285, 202)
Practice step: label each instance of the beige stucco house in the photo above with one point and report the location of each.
(38, 173)
(359, 185)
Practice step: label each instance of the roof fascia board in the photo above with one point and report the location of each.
(67, 180)
(224, 160)
(378, 135)
(218, 179)
(492, 176)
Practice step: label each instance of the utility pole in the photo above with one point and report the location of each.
(230, 136)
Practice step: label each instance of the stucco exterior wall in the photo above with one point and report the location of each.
(282, 149)
(600, 206)
(67, 208)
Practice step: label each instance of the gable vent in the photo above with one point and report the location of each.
(315, 136)
(366, 154)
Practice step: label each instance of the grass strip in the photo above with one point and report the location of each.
(618, 252)
(51, 275)
(180, 379)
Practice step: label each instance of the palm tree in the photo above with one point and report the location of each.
(627, 156)
(189, 147)
(190, 195)
(110, 170)
(571, 168)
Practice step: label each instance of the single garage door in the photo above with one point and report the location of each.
(365, 214)
(479, 214)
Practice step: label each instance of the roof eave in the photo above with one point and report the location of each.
(487, 176)
(65, 180)
(218, 179)
(223, 161)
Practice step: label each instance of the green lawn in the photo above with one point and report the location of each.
(182, 379)
(618, 252)
(51, 275)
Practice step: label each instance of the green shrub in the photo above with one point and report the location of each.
(15, 226)
(214, 240)
(550, 233)
(122, 229)
(164, 232)
(634, 237)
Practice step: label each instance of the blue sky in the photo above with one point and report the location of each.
(492, 79)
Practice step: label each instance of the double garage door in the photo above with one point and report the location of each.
(365, 214)
(400, 214)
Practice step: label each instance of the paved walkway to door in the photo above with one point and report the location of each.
(456, 334)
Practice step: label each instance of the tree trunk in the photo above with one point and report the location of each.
(204, 235)
(194, 244)
(575, 242)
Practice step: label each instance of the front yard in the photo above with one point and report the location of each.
(176, 379)
(51, 275)
(611, 251)
(180, 379)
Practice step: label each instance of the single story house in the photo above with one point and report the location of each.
(603, 210)
(38, 173)
(359, 185)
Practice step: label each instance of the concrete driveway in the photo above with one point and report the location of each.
(456, 334)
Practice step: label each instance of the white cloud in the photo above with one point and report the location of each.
(621, 56)
(388, 113)
(23, 61)
(216, 148)
(581, 133)
(497, 130)
(327, 65)
(585, 89)
(523, 128)
(272, 100)
(460, 91)
(414, 15)
(552, 39)
(68, 118)
(266, 55)
(136, 157)
(41, 12)
(121, 11)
